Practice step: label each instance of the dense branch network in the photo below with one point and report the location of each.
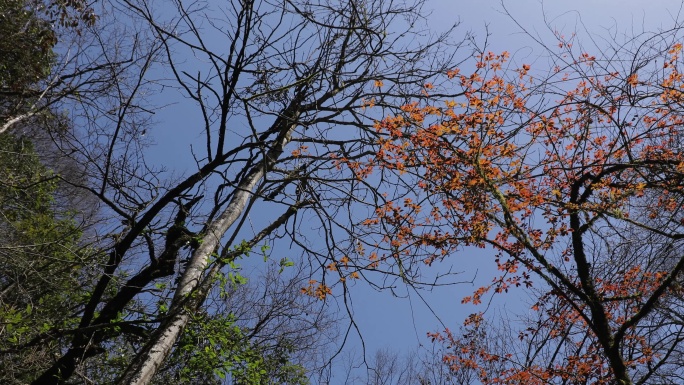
(281, 89)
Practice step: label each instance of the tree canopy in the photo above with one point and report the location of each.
(573, 179)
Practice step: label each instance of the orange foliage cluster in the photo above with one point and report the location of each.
(316, 289)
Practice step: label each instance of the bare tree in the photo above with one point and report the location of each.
(282, 90)
(388, 367)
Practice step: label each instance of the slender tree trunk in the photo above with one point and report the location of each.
(15, 120)
(146, 364)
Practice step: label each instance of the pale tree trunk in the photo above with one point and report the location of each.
(15, 120)
(146, 364)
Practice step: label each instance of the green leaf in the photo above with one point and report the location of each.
(285, 263)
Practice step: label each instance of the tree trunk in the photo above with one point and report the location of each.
(146, 364)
